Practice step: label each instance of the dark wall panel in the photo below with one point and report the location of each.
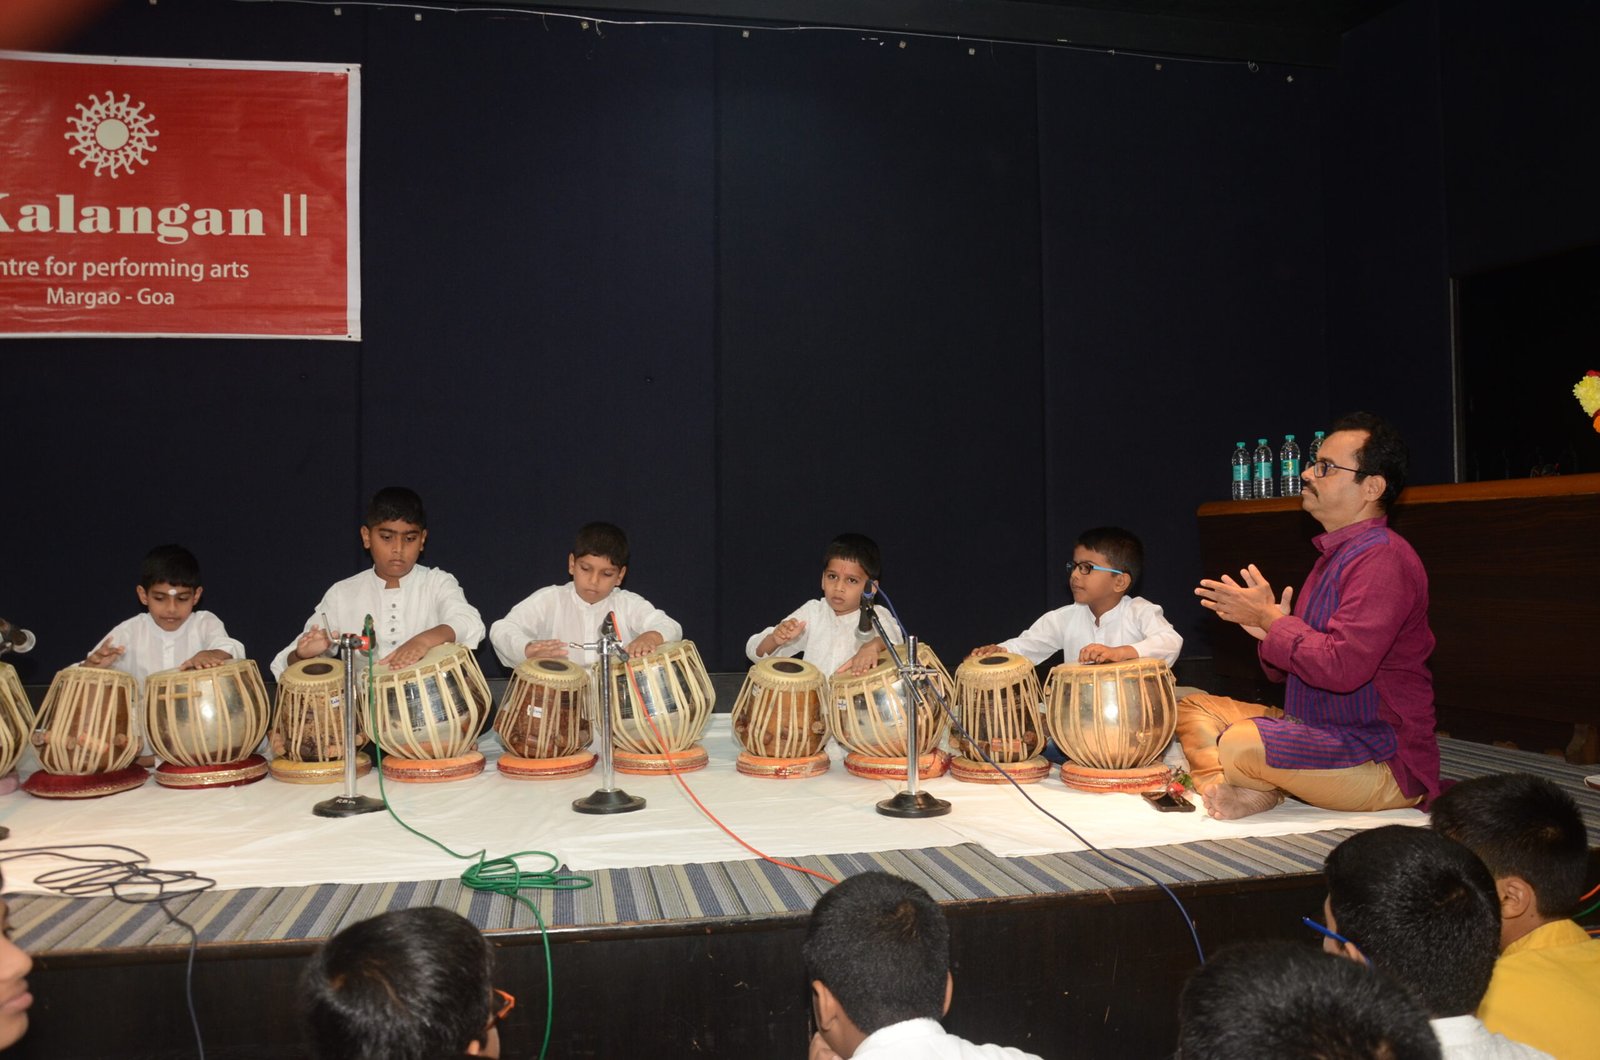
(879, 300)
(1183, 248)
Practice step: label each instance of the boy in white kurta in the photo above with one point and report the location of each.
(555, 621)
(169, 634)
(831, 632)
(1103, 623)
(413, 608)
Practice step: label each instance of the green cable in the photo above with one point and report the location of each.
(1587, 911)
(496, 875)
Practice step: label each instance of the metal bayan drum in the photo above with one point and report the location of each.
(867, 715)
(667, 691)
(1113, 720)
(430, 715)
(307, 734)
(205, 724)
(998, 702)
(777, 719)
(85, 735)
(546, 720)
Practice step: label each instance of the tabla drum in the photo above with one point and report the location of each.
(660, 704)
(867, 715)
(998, 701)
(205, 724)
(87, 735)
(1113, 721)
(16, 722)
(430, 715)
(546, 720)
(777, 719)
(307, 733)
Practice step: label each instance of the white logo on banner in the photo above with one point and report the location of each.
(112, 135)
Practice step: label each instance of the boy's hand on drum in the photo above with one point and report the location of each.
(106, 654)
(862, 661)
(1099, 653)
(787, 630)
(206, 660)
(645, 643)
(406, 654)
(545, 649)
(987, 649)
(313, 642)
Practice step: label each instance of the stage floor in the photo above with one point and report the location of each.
(284, 874)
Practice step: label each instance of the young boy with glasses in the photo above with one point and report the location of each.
(1103, 624)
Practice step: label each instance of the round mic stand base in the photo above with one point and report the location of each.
(913, 804)
(608, 800)
(347, 806)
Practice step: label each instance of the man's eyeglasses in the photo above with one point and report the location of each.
(1324, 468)
(1085, 567)
(505, 1003)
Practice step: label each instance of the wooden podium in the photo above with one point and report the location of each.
(1514, 596)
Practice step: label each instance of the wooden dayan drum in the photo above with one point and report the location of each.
(998, 701)
(677, 696)
(205, 724)
(1113, 720)
(778, 721)
(16, 721)
(430, 715)
(867, 715)
(546, 720)
(86, 735)
(307, 734)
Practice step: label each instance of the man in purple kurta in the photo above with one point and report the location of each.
(1356, 731)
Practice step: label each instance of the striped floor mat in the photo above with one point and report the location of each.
(738, 889)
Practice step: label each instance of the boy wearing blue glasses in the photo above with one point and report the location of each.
(1103, 624)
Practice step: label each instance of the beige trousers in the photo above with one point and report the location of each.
(1222, 748)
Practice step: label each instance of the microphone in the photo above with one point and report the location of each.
(13, 638)
(368, 634)
(864, 630)
(608, 631)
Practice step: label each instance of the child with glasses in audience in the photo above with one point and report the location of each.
(1103, 624)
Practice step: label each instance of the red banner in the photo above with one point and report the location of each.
(150, 197)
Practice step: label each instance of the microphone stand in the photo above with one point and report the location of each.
(608, 798)
(911, 802)
(346, 645)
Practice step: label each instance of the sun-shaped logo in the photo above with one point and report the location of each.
(113, 135)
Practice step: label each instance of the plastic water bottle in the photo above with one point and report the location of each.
(1289, 467)
(1314, 449)
(1242, 490)
(1264, 465)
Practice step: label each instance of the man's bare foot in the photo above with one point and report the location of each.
(1227, 802)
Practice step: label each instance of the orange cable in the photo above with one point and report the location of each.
(661, 741)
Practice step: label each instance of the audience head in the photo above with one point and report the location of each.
(412, 984)
(877, 952)
(1531, 835)
(1421, 908)
(1291, 1002)
(15, 1000)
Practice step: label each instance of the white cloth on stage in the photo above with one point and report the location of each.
(925, 1039)
(1135, 622)
(427, 597)
(557, 612)
(828, 639)
(265, 835)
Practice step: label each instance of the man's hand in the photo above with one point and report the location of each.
(1251, 605)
